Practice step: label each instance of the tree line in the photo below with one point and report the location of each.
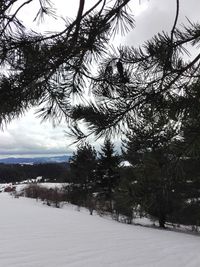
(51, 172)
(156, 183)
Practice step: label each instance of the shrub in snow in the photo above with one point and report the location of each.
(50, 196)
(9, 188)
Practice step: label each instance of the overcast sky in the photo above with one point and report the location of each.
(27, 135)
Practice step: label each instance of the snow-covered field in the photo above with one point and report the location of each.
(35, 235)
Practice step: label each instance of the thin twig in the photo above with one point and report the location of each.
(175, 21)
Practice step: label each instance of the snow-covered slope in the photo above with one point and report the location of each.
(35, 235)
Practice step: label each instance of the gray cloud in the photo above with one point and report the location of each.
(28, 136)
(159, 16)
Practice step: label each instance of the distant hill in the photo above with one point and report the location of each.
(37, 160)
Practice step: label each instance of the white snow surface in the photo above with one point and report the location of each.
(125, 163)
(35, 235)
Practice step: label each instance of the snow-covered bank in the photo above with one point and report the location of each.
(34, 235)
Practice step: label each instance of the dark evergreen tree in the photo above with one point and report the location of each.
(108, 170)
(189, 159)
(125, 201)
(149, 149)
(83, 175)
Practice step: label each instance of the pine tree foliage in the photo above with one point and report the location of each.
(161, 75)
(47, 69)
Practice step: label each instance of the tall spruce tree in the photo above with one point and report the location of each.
(125, 195)
(83, 176)
(108, 170)
(189, 159)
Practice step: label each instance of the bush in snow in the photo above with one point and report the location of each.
(50, 196)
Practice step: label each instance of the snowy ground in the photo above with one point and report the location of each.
(35, 235)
